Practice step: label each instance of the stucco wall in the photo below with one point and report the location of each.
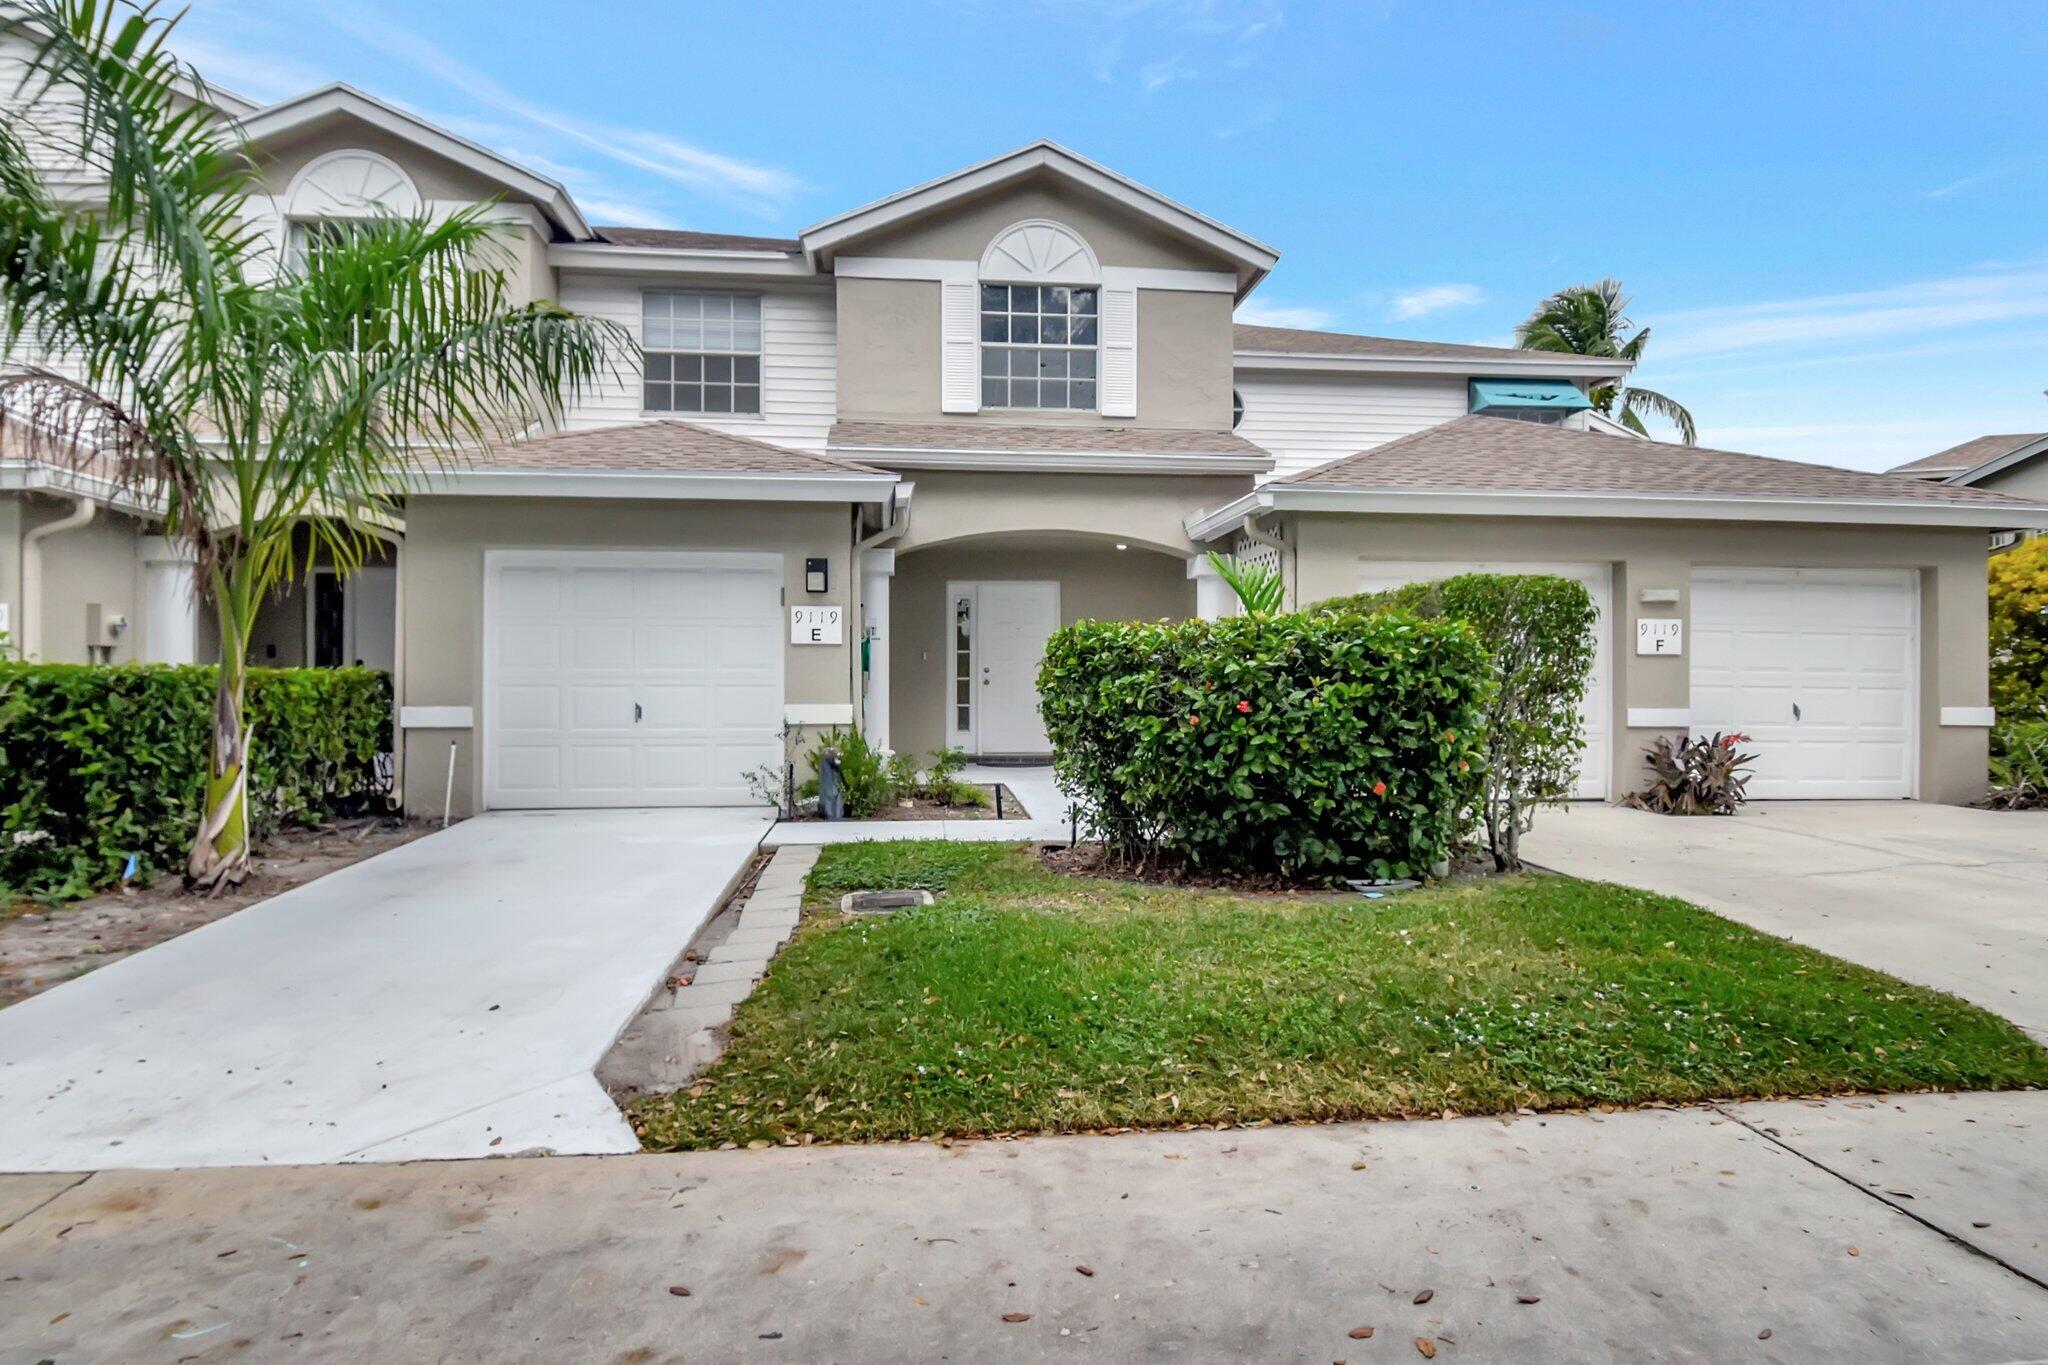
(1138, 509)
(441, 572)
(2026, 480)
(92, 563)
(1951, 563)
(1096, 583)
(963, 230)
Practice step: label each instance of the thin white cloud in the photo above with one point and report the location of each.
(1434, 298)
(1957, 186)
(1908, 310)
(1160, 74)
(759, 189)
(1306, 316)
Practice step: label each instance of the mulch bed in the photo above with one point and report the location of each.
(920, 809)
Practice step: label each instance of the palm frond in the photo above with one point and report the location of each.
(1658, 405)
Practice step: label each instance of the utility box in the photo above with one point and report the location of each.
(103, 630)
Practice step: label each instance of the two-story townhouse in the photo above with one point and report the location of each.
(857, 476)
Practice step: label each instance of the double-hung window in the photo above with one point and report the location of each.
(1038, 346)
(701, 350)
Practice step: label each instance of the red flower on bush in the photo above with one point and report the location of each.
(1379, 789)
(1244, 708)
(1194, 720)
(1463, 766)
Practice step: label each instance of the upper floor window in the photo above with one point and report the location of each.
(701, 351)
(1038, 346)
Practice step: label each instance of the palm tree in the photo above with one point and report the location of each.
(161, 338)
(1587, 319)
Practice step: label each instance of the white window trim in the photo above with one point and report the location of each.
(640, 336)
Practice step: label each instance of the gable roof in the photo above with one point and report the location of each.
(1253, 258)
(343, 100)
(1498, 466)
(1292, 348)
(662, 458)
(1967, 457)
(677, 239)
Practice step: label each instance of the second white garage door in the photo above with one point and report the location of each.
(1818, 667)
(629, 678)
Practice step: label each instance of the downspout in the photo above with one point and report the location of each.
(81, 512)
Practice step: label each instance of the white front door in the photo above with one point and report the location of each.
(1818, 667)
(1380, 575)
(1014, 622)
(630, 678)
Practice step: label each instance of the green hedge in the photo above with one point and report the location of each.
(1299, 743)
(98, 763)
(1538, 628)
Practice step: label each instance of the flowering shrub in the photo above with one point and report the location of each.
(1538, 628)
(1300, 743)
(98, 763)
(1694, 776)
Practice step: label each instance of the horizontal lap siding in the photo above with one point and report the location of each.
(799, 343)
(1306, 421)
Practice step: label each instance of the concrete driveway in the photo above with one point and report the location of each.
(1949, 897)
(448, 998)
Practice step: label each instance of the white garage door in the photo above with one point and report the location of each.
(1818, 667)
(629, 678)
(1380, 575)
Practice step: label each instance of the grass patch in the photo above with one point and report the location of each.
(1027, 1001)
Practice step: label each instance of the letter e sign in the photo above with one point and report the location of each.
(816, 625)
(1660, 635)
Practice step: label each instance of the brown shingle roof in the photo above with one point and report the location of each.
(1968, 455)
(1501, 455)
(662, 446)
(694, 241)
(1294, 340)
(977, 436)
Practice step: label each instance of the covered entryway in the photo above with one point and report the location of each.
(1818, 667)
(1594, 711)
(630, 678)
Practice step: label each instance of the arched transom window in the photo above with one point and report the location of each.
(1040, 319)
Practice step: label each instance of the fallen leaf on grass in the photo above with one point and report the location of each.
(1427, 1347)
(1016, 1317)
(1425, 1296)
(1361, 1333)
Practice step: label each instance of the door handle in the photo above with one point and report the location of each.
(636, 713)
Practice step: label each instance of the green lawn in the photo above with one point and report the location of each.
(1029, 1001)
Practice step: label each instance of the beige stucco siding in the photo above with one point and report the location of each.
(1116, 235)
(1950, 564)
(91, 563)
(282, 158)
(2026, 480)
(889, 359)
(1096, 583)
(441, 574)
(1139, 509)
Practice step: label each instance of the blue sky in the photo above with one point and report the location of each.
(1834, 216)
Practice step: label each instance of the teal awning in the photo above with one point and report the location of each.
(1550, 395)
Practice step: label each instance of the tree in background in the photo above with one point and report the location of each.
(1588, 319)
(163, 339)
(2019, 632)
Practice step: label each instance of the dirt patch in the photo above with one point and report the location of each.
(41, 948)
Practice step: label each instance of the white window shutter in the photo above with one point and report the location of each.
(1119, 395)
(959, 346)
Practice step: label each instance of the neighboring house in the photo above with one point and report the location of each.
(856, 476)
(2015, 465)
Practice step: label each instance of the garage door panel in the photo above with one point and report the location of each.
(1818, 668)
(693, 640)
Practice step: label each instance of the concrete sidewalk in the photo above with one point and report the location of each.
(449, 998)
(1676, 1235)
(1946, 896)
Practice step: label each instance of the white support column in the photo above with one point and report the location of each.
(1212, 595)
(170, 606)
(877, 567)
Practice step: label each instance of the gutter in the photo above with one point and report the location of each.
(82, 511)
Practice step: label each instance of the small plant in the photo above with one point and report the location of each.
(941, 784)
(868, 777)
(1695, 776)
(1260, 590)
(2019, 766)
(770, 783)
